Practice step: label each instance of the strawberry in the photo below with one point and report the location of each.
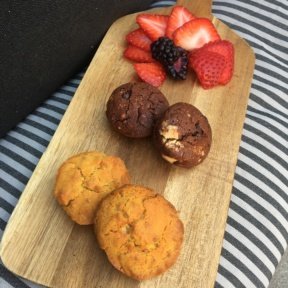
(195, 33)
(226, 49)
(152, 73)
(208, 66)
(179, 16)
(138, 55)
(139, 39)
(154, 26)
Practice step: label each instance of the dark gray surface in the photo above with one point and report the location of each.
(280, 278)
(44, 43)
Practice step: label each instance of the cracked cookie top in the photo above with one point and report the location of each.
(84, 179)
(183, 135)
(139, 230)
(133, 109)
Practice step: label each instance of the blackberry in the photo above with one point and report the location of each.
(173, 58)
(164, 51)
(178, 70)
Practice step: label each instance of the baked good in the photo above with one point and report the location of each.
(139, 230)
(84, 179)
(183, 135)
(133, 109)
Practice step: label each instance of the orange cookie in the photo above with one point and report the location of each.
(139, 230)
(84, 179)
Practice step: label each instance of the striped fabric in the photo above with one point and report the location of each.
(257, 225)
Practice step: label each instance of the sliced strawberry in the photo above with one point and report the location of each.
(152, 73)
(226, 49)
(154, 26)
(179, 16)
(139, 39)
(138, 55)
(208, 66)
(195, 33)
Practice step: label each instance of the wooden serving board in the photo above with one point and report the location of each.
(42, 244)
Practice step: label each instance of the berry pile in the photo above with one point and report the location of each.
(173, 58)
(164, 51)
(170, 45)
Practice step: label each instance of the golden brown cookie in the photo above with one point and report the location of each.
(139, 230)
(84, 179)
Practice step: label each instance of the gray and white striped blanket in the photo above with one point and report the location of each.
(257, 225)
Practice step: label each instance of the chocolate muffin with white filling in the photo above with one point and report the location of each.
(183, 135)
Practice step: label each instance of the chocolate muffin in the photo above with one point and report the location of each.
(183, 135)
(134, 108)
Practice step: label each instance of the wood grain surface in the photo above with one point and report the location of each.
(42, 244)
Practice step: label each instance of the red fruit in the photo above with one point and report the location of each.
(154, 26)
(179, 16)
(195, 33)
(139, 39)
(152, 73)
(138, 55)
(226, 49)
(208, 66)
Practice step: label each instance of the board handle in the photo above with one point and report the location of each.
(201, 8)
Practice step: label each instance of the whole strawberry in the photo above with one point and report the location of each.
(222, 71)
(226, 49)
(208, 67)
